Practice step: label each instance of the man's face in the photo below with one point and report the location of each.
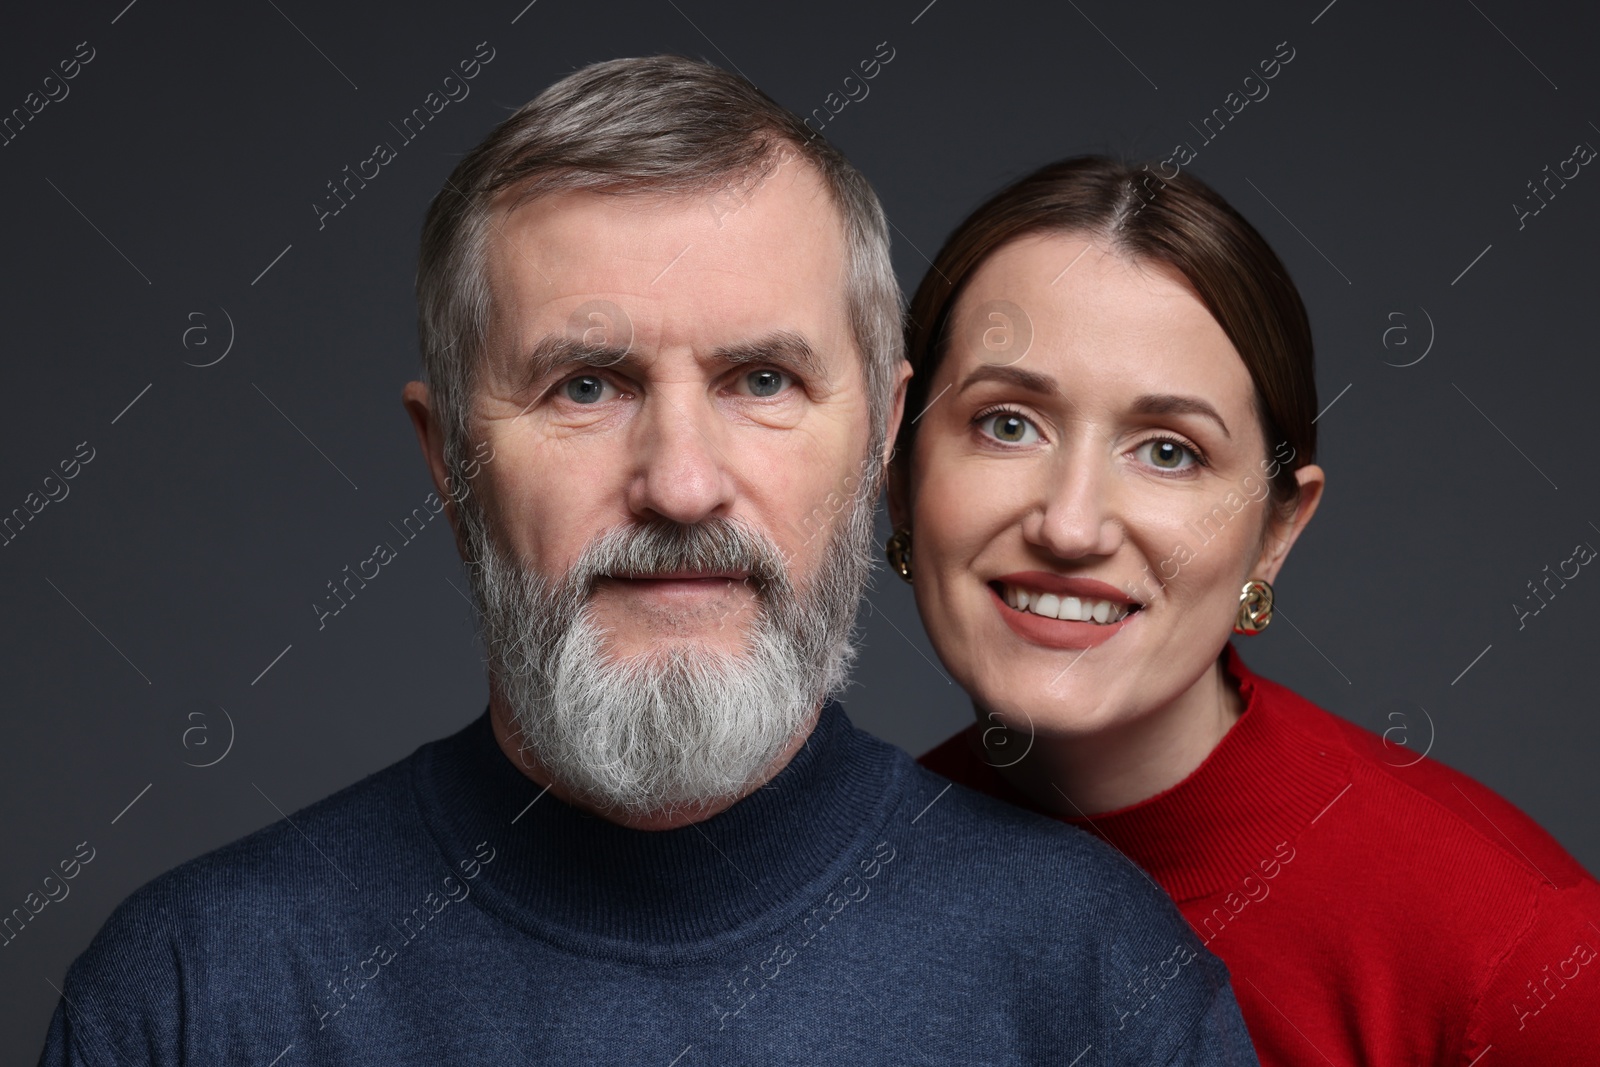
(731, 389)
(672, 527)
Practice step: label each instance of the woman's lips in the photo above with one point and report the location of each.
(1061, 585)
(1056, 633)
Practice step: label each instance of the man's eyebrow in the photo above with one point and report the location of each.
(555, 350)
(782, 348)
(1173, 404)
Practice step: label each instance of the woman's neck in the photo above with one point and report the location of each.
(1111, 769)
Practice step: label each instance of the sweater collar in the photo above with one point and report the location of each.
(599, 888)
(1270, 777)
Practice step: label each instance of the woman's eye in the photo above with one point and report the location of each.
(766, 382)
(1166, 454)
(585, 389)
(1010, 427)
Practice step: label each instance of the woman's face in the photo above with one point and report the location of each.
(1088, 488)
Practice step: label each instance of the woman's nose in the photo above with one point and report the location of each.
(1076, 515)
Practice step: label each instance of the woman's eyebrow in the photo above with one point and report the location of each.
(1148, 404)
(1174, 404)
(1023, 379)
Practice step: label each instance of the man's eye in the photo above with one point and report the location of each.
(585, 389)
(766, 382)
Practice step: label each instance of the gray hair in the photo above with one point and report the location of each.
(661, 124)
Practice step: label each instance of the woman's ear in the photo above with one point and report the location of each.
(1283, 532)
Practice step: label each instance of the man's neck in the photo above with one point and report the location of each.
(509, 737)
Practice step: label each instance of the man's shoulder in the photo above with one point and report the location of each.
(1051, 912)
(963, 817)
(274, 875)
(228, 913)
(991, 851)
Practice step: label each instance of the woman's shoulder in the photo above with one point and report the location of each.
(1453, 810)
(1451, 878)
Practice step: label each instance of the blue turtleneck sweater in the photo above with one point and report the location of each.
(856, 909)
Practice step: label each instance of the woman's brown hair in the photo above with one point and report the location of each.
(1180, 222)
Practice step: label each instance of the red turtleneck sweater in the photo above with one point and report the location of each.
(1370, 909)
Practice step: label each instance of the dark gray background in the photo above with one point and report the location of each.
(186, 558)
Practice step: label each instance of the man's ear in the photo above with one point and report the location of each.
(896, 490)
(418, 401)
(897, 408)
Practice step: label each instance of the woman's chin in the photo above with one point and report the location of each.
(1026, 704)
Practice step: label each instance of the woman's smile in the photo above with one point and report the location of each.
(1059, 612)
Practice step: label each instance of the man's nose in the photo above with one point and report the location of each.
(683, 472)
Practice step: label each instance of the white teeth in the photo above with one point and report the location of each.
(1070, 608)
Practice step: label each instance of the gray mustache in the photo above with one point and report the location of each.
(663, 547)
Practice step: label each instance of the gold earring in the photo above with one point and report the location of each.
(1255, 607)
(898, 552)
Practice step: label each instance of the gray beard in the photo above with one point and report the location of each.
(682, 727)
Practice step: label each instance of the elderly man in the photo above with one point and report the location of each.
(662, 347)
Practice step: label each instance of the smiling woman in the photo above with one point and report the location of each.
(1086, 522)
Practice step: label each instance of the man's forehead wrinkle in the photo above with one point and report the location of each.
(499, 239)
(644, 203)
(784, 347)
(509, 288)
(683, 316)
